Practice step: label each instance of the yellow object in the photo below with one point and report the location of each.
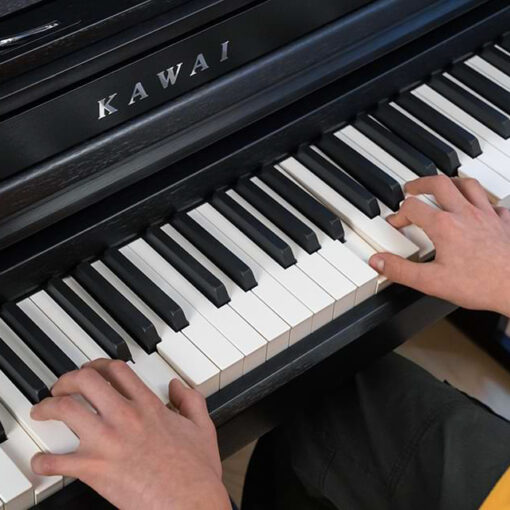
(499, 497)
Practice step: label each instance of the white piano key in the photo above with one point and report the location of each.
(497, 187)
(69, 327)
(376, 231)
(252, 345)
(268, 290)
(53, 332)
(489, 71)
(181, 354)
(333, 283)
(16, 491)
(246, 304)
(27, 355)
(199, 331)
(496, 150)
(21, 448)
(50, 436)
(292, 278)
(151, 368)
(357, 271)
(353, 242)
(412, 232)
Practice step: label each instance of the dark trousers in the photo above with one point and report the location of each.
(393, 438)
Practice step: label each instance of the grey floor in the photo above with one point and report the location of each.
(447, 354)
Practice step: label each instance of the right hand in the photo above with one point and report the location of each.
(472, 241)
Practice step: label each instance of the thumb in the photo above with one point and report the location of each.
(400, 270)
(190, 403)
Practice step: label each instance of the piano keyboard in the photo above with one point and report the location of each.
(219, 289)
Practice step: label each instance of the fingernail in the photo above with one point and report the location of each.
(34, 461)
(377, 263)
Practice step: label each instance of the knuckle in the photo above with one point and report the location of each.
(65, 405)
(68, 376)
(471, 182)
(118, 367)
(443, 182)
(86, 375)
(410, 203)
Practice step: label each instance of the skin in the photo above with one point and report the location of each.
(137, 453)
(472, 240)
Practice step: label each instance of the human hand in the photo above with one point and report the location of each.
(135, 452)
(472, 241)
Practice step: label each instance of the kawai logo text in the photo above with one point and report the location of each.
(165, 79)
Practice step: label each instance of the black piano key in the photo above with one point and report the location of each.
(128, 316)
(188, 266)
(21, 375)
(441, 124)
(382, 185)
(441, 153)
(265, 238)
(339, 181)
(227, 261)
(300, 233)
(99, 330)
(488, 89)
(497, 58)
(150, 293)
(305, 203)
(42, 345)
(3, 435)
(416, 161)
(505, 42)
(479, 109)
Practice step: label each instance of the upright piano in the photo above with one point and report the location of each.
(195, 187)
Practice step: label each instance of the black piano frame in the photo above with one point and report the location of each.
(260, 400)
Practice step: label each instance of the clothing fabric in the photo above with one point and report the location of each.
(393, 438)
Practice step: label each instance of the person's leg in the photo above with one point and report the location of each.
(393, 438)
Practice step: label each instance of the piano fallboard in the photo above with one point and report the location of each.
(131, 89)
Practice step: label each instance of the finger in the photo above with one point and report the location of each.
(413, 211)
(75, 415)
(399, 270)
(189, 403)
(503, 213)
(474, 192)
(123, 379)
(446, 193)
(92, 386)
(47, 464)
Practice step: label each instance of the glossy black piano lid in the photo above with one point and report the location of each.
(46, 30)
(102, 103)
(11, 6)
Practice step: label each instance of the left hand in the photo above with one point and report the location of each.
(135, 452)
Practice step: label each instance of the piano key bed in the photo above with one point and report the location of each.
(263, 280)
